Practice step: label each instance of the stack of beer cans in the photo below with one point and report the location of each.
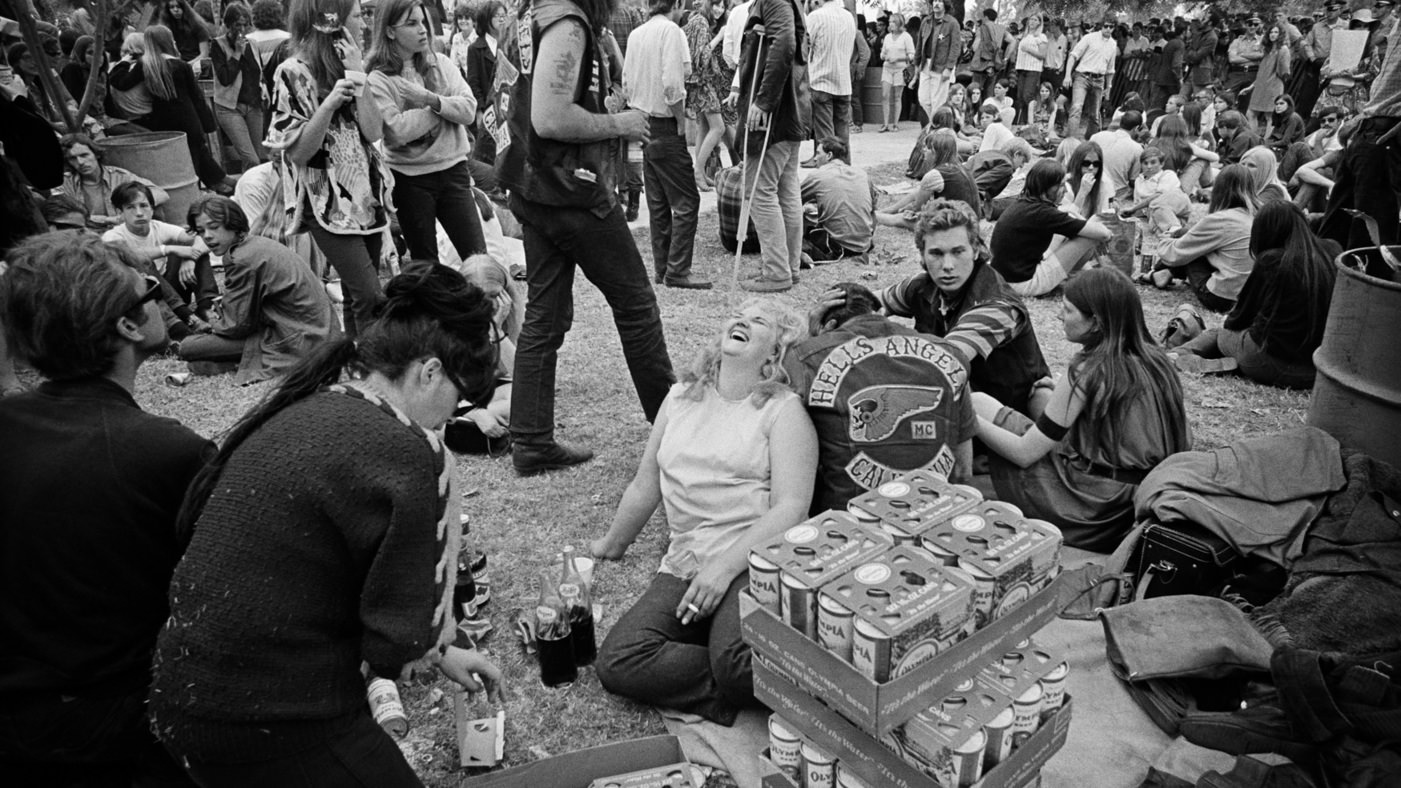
(913, 568)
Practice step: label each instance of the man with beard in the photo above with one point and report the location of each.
(558, 155)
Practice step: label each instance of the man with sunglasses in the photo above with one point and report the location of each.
(89, 489)
(1090, 74)
(1244, 56)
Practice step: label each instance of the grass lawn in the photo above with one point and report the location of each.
(523, 522)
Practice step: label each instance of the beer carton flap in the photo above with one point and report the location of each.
(480, 742)
(823, 547)
(580, 768)
(992, 537)
(875, 762)
(672, 775)
(878, 708)
(915, 502)
(1019, 667)
(900, 589)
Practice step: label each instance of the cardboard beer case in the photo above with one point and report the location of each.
(874, 761)
(581, 768)
(807, 556)
(914, 502)
(1011, 556)
(1019, 667)
(876, 707)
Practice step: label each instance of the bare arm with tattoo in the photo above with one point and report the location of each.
(553, 111)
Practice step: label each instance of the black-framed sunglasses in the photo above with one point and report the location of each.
(153, 292)
(1090, 163)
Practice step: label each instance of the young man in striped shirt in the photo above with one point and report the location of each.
(831, 37)
(960, 298)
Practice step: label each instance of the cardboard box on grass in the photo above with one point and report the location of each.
(580, 768)
(480, 742)
(871, 760)
(879, 708)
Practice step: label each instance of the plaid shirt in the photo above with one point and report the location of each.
(625, 20)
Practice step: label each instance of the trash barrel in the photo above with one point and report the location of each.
(1357, 388)
(163, 158)
(870, 98)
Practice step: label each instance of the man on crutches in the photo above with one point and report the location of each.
(774, 108)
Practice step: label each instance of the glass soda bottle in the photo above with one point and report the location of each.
(578, 601)
(464, 594)
(552, 636)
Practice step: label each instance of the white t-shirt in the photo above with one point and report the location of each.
(160, 234)
(995, 136)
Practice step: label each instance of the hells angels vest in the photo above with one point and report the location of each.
(540, 170)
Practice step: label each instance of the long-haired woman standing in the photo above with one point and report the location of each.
(324, 125)
(238, 96)
(177, 101)
(426, 107)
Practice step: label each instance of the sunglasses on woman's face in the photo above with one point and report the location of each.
(1090, 163)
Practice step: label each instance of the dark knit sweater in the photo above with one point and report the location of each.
(320, 546)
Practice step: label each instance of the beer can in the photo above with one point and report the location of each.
(763, 583)
(848, 779)
(1026, 715)
(387, 708)
(983, 587)
(1053, 689)
(999, 743)
(870, 651)
(968, 759)
(940, 553)
(897, 534)
(834, 624)
(635, 153)
(798, 605)
(784, 748)
(819, 768)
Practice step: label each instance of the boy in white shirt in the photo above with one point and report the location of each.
(179, 256)
(996, 133)
(1159, 204)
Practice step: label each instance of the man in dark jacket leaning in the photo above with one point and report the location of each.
(771, 87)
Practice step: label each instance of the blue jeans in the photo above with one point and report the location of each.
(424, 200)
(673, 201)
(831, 117)
(1086, 90)
(701, 667)
(557, 241)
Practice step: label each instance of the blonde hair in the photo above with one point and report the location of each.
(155, 68)
(791, 327)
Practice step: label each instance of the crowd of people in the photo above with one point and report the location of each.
(241, 593)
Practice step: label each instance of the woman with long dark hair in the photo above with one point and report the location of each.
(426, 106)
(188, 28)
(946, 178)
(1214, 254)
(1285, 127)
(1036, 244)
(1278, 320)
(1269, 81)
(323, 130)
(324, 537)
(1087, 195)
(238, 93)
(1181, 153)
(1116, 413)
(177, 102)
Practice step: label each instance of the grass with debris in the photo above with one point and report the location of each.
(522, 523)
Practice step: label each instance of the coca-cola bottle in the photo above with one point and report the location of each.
(552, 636)
(578, 602)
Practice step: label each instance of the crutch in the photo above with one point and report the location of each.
(745, 205)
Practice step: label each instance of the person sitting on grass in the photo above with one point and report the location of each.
(275, 312)
(995, 129)
(324, 537)
(1214, 255)
(947, 178)
(91, 182)
(486, 428)
(1035, 244)
(179, 256)
(1278, 320)
(839, 207)
(993, 170)
(959, 297)
(732, 457)
(1159, 204)
(884, 398)
(1113, 416)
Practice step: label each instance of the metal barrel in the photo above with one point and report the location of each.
(1357, 386)
(163, 158)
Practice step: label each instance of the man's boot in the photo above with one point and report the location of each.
(633, 197)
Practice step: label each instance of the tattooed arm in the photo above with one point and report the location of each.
(553, 111)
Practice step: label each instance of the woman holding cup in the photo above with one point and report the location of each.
(323, 129)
